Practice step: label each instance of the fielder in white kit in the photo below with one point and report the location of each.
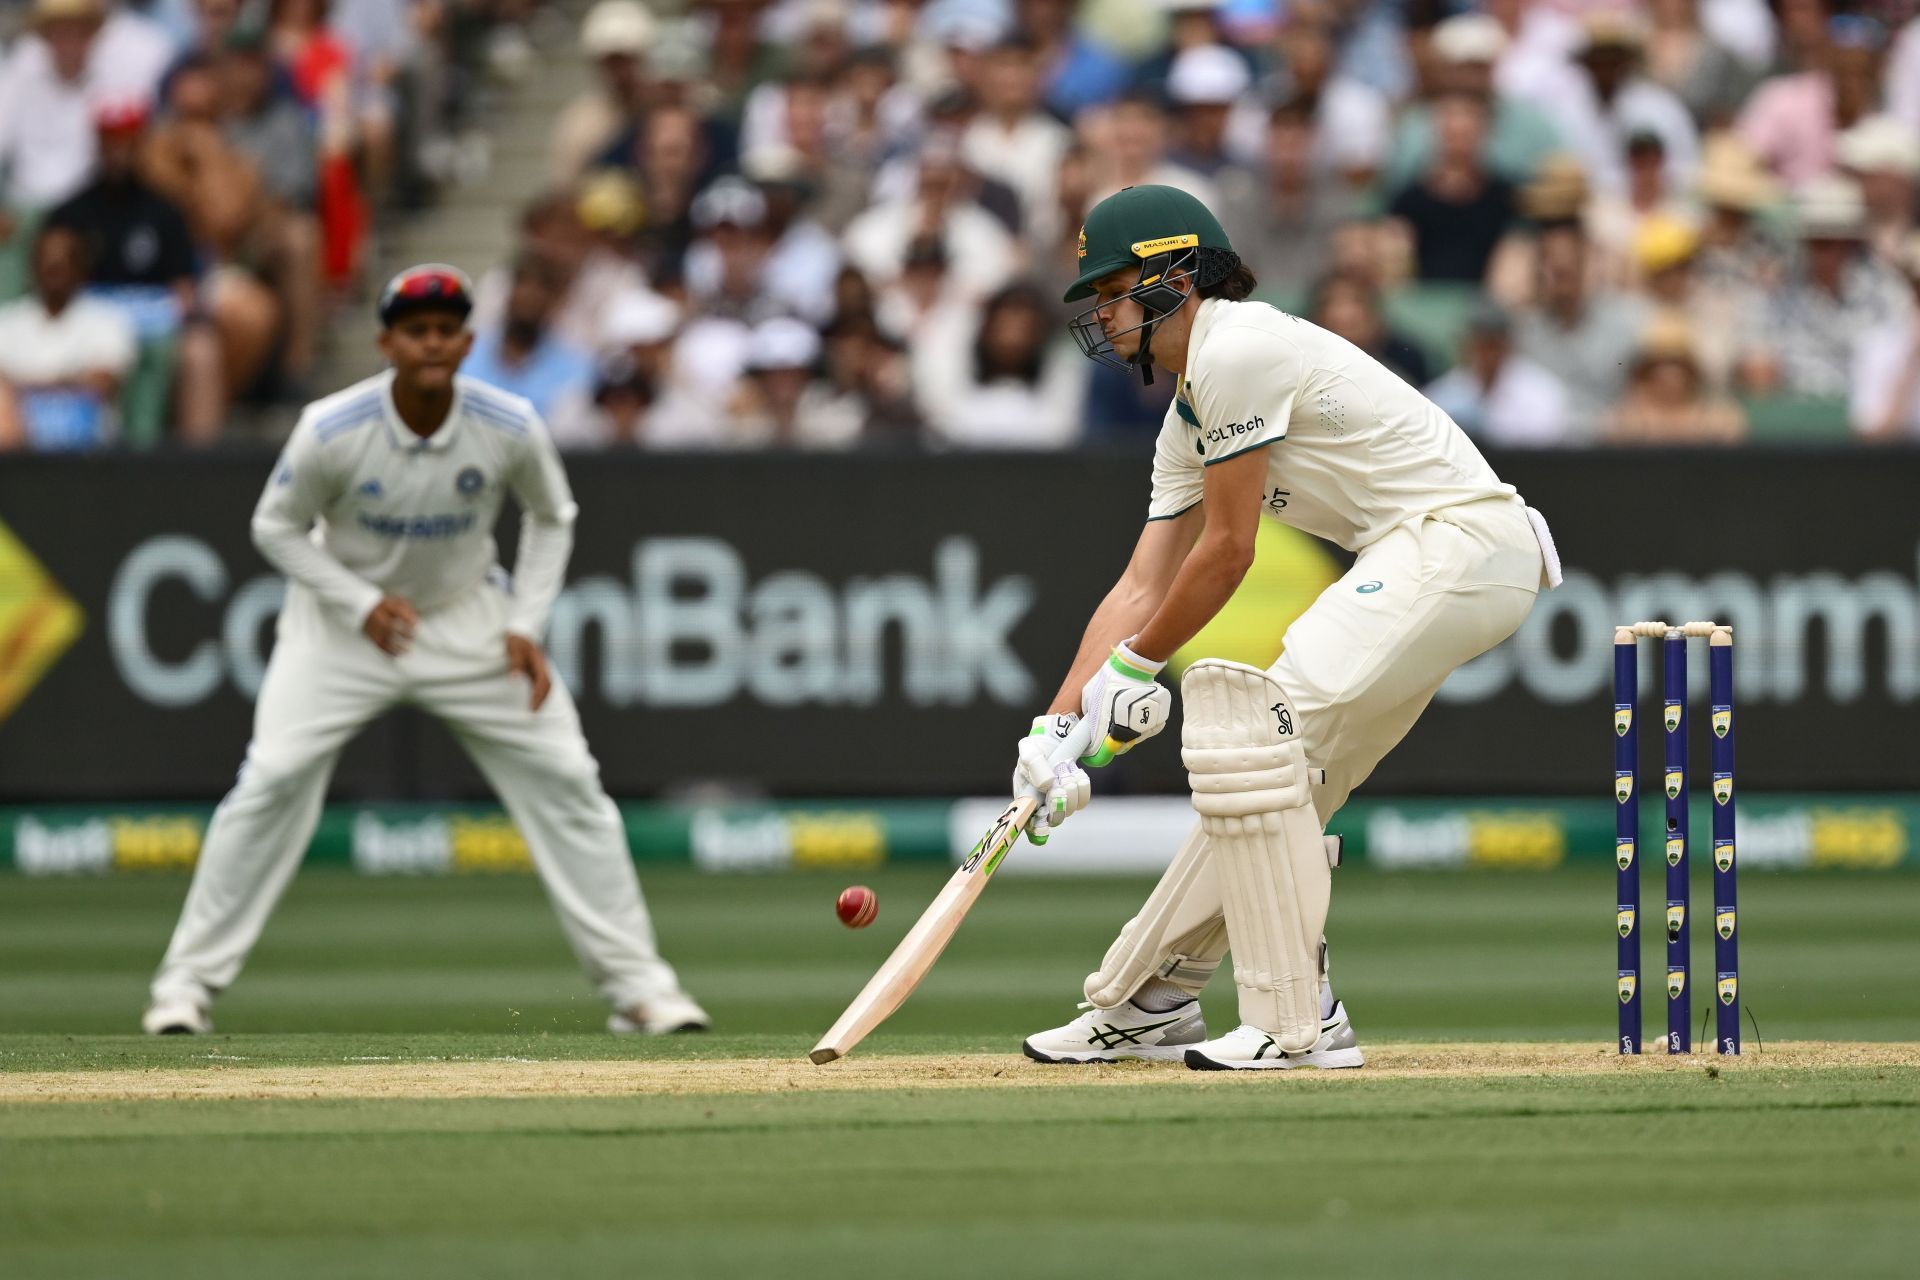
(380, 513)
(1272, 416)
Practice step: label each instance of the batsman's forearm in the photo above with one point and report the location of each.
(1200, 590)
(1119, 616)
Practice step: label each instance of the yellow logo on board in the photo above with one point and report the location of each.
(38, 621)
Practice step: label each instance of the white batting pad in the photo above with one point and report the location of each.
(1252, 789)
(1179, 934)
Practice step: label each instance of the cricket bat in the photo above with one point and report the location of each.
(895, 980)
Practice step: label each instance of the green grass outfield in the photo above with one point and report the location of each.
(718, 1161)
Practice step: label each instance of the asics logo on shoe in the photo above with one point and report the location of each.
(1261, 1052)
(1326, 1025)
(1112, 1036)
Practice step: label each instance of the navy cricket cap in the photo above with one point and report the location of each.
(433, 286)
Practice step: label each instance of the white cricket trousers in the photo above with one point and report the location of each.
(1359, 666)
(325, 682)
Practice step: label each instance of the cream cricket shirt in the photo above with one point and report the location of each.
(359, 506)
(1363, 451)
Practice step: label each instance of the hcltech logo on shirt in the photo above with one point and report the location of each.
(1231, 432)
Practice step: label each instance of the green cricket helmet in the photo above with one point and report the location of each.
(1173, 239)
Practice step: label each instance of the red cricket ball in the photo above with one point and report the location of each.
(857, 906)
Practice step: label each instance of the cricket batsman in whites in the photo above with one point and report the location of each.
(1272, 416)
(380, 513)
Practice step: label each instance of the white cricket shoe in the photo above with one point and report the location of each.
(1124, 1033)
(661, 1017)
(176, 1017)
(1248, 1048)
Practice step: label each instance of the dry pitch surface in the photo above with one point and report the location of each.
(231, 1078)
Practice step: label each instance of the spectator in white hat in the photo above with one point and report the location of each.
(1612, 99)
(615, 36)
(784, 401)
(726, 265)
(1462, 53)
(1835, 294)
(1884, 403)
(1205, 84)
(1883, 155)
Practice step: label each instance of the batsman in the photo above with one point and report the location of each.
(1272, 416)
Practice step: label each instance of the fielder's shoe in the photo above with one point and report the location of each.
(661, 1017)
(1124, 1033)
(1251, 1049)
(176, 1018)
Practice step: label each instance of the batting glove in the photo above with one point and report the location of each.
(1048, 772)
(1126, 704)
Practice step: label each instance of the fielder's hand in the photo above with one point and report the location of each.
(524, 658)
(391, 625)
(1048, 770)
(1126, 704)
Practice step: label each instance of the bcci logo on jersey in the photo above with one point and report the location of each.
(469, 482)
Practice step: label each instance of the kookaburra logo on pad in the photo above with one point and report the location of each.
(1283, 719)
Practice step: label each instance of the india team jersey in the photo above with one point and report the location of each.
(359, 506)
(1355, 450)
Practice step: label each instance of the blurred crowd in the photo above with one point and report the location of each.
(833, 223)
(188, 190)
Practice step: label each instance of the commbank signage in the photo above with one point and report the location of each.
(887, 624)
